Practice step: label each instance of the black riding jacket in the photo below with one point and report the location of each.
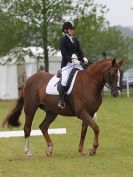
(68, 48)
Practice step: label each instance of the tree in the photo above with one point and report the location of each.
(89, 31)
(114, 43)
(9, 33)
(40, 23)
(97, 36)
(39, 14)
(45, 17)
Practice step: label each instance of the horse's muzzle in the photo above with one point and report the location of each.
(115, 93)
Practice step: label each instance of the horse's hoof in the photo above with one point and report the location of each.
(83, 154)
(92, 153)
(48, 154)
(29, 154)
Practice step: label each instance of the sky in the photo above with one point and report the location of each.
(120, 12)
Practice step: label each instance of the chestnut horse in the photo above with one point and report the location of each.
(83, 101)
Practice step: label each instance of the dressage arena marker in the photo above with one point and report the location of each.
(7, 134)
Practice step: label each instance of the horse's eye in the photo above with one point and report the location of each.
(113, 76)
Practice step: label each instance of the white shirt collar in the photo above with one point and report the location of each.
(70, 37)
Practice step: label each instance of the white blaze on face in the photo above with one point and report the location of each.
(118, 82)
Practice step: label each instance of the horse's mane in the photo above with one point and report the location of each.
(98, 62)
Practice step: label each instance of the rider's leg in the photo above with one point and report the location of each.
(65, 74)
(61, 103)
(78, 67)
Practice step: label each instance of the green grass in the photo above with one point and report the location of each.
(114, 157)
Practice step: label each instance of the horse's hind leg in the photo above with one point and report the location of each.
(29, 115)
(49, 118)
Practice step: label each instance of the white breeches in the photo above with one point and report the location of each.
(66, 71)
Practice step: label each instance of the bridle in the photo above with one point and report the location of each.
(110, 80)
(109, 86)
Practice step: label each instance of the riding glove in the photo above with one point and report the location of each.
(75, 61)
(85, 60)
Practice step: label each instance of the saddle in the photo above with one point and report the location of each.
(55, 82)
(72, 73)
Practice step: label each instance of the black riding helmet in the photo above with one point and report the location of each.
(68, 25)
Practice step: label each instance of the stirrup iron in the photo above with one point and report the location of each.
(61, 104)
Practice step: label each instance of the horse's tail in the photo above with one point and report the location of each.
(12, 120)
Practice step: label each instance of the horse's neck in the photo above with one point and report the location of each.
(98, 69)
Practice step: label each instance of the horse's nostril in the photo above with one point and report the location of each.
(115, 93)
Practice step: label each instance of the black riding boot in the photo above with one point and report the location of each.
(61, 103)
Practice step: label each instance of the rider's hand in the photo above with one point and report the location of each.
(75, 61)
(85, 60)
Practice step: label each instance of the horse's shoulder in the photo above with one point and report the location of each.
(81, 75)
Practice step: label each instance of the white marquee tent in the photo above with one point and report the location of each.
(9, 73)
(8, 82)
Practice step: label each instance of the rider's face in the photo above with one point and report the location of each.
(71, 32)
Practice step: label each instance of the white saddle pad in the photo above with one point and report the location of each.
(52, 85)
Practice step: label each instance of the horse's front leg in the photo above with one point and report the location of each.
(88, 121)
(82, 137)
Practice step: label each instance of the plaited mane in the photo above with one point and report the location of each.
(97, 62)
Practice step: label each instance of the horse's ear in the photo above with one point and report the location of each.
(113, 61)
(120, 62)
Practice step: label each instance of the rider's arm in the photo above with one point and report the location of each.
(64, 50)
(80, 54)
(79, 50)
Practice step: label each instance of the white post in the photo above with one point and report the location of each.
(128, 94)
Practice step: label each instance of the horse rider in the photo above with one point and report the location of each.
(72, 57)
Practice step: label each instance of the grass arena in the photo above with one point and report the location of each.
(114, 157)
